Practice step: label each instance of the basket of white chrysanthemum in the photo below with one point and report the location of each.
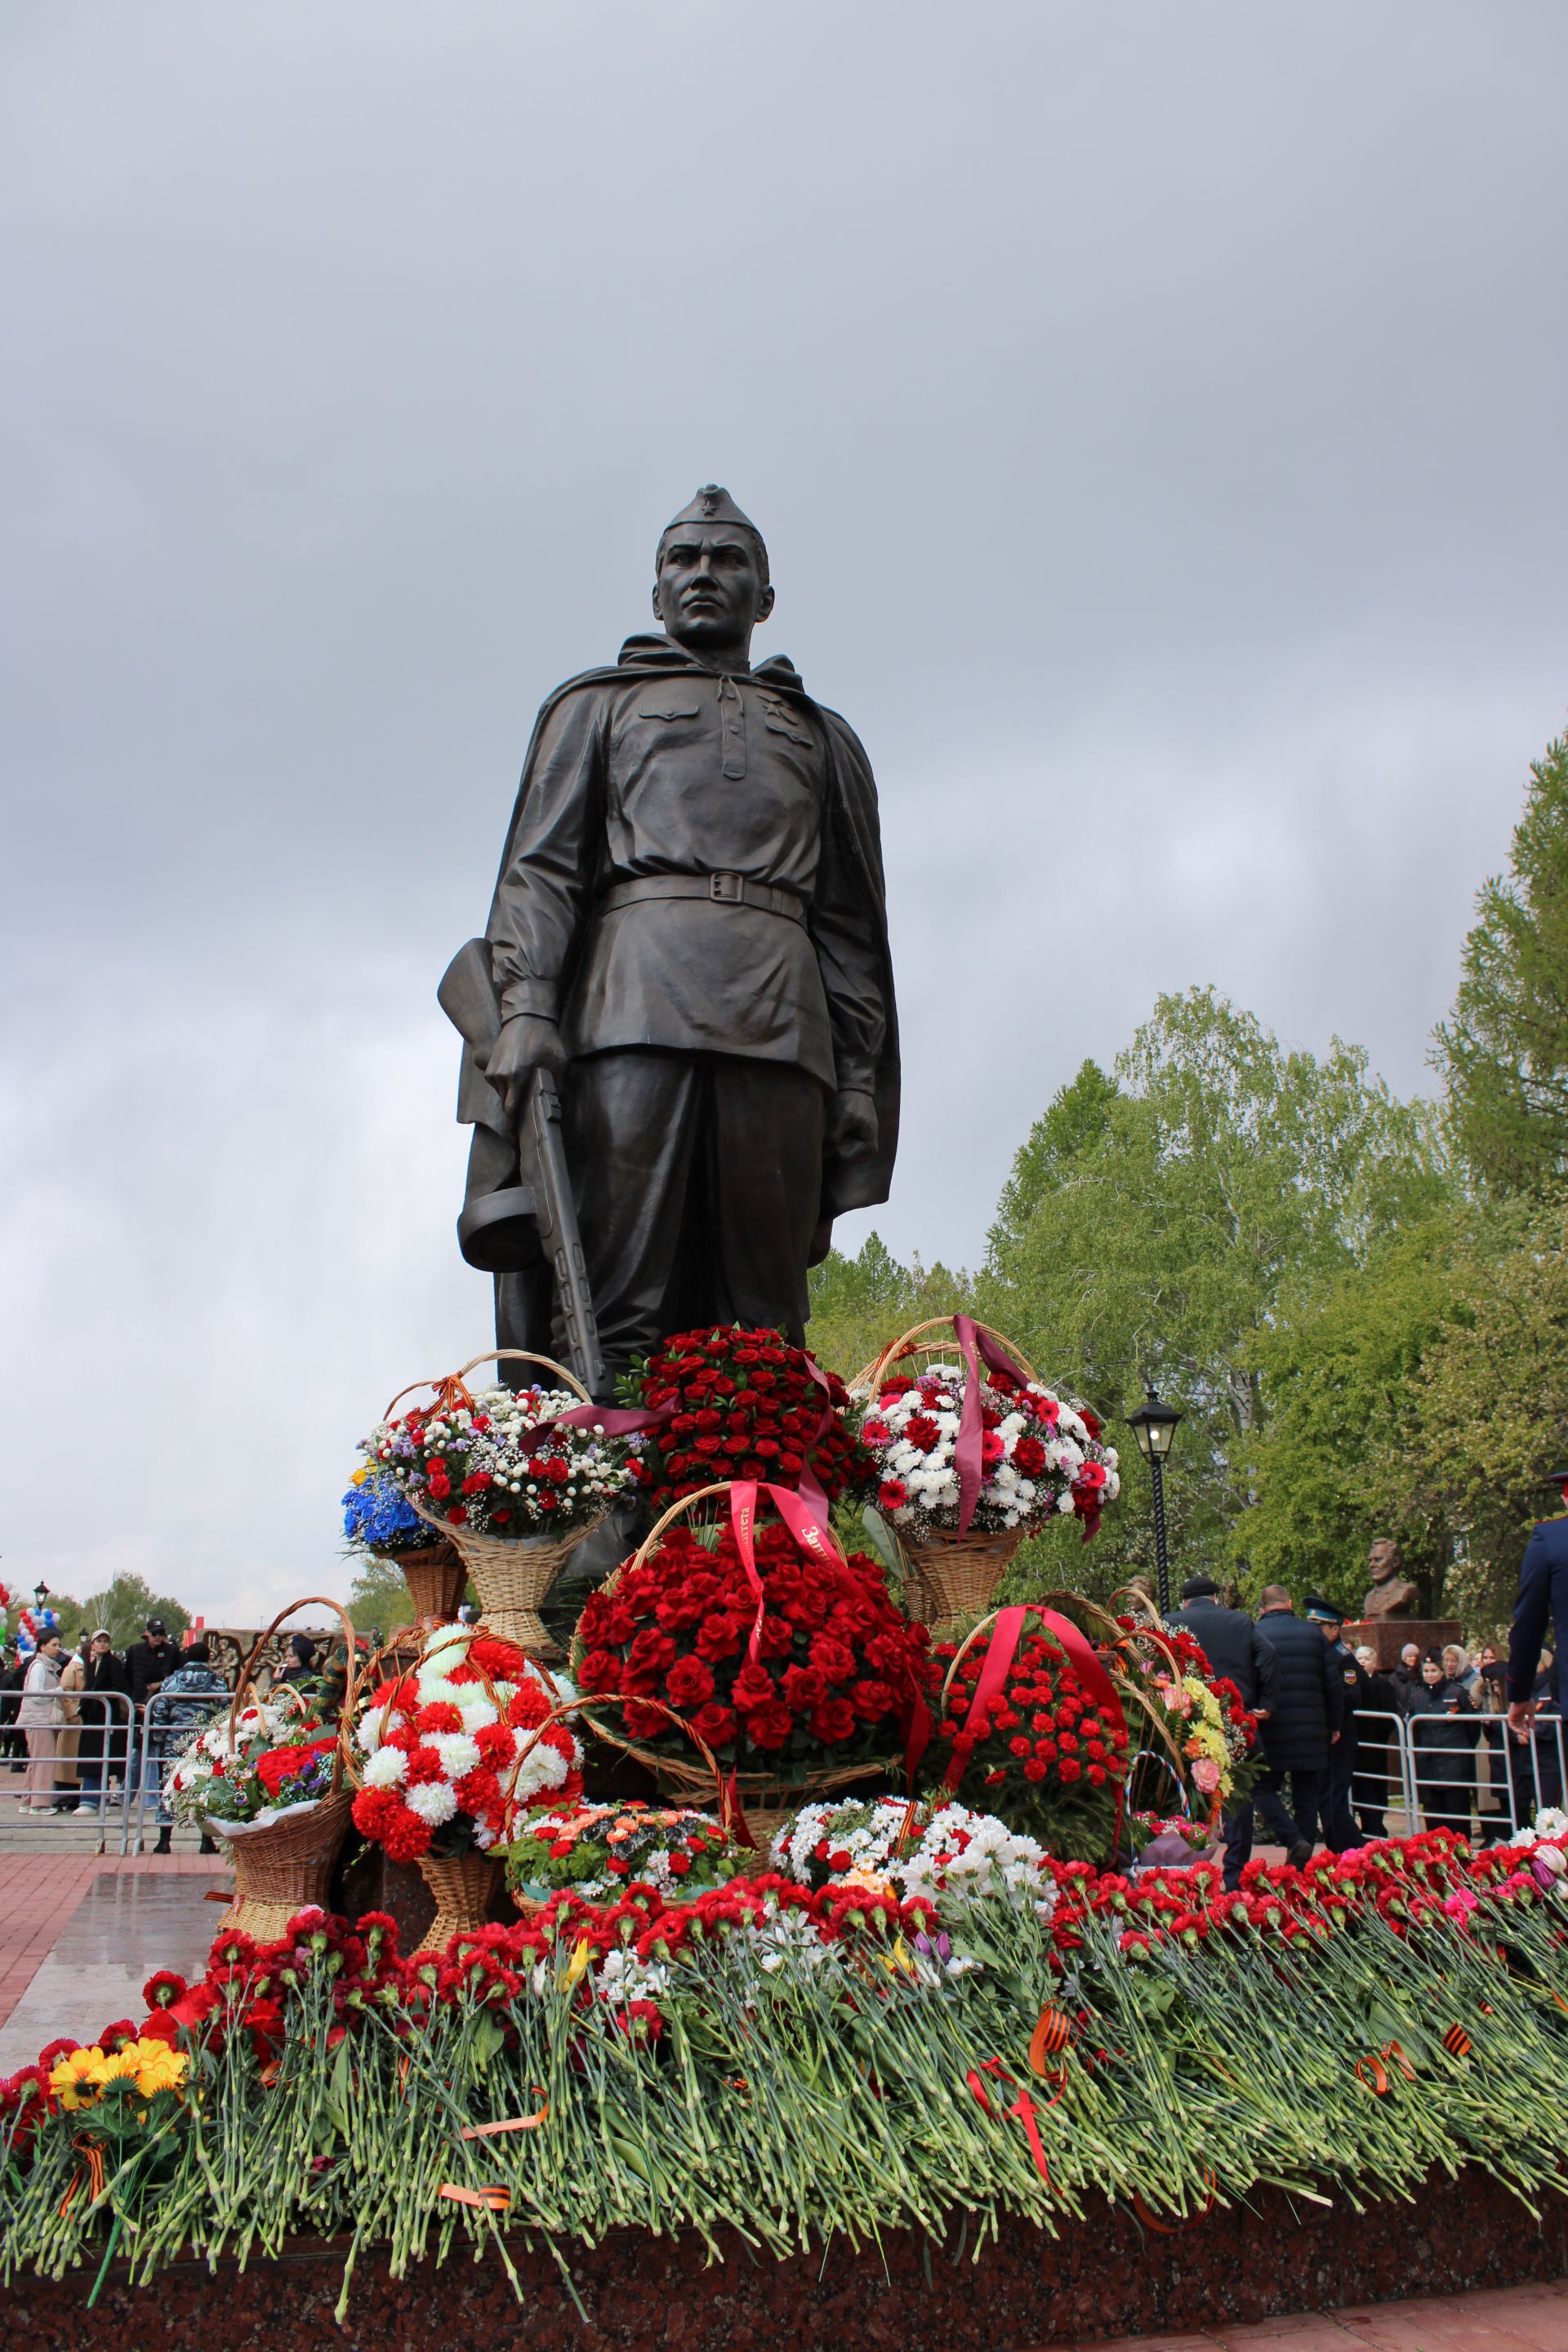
(514, 1478)
(943, 1851)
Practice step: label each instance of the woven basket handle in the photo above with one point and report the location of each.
(525, 1356)
(867, 1379)
(342, 1757)
(621, 1698)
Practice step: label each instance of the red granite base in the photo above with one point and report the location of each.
(1105, 2277)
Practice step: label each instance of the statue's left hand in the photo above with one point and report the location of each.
(852, 1126)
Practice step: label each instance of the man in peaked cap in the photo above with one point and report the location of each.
(689, 930)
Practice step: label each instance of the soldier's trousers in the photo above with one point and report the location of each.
(697, 1179)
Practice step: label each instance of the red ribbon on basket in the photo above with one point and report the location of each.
(969, 1454)
(1000, 1651)
(803, 1526)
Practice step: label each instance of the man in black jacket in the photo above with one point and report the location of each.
(1298, 1738)
(146, 1664)
(1340, 1831)
(1230, 1642)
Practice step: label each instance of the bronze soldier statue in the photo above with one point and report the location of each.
(689, 933)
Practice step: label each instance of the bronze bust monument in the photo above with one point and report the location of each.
(1391, 1595)
(688, 933)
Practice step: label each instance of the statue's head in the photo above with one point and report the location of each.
(1386, 1561)
(711, 577)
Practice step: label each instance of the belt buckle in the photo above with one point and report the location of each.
(726, 889)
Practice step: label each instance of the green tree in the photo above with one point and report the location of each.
(1151, 1229)
(859, 1304)
(1504, 1050)
(378, 1597)
(1337, 1362)
(1488, 1409)
(125, 1608)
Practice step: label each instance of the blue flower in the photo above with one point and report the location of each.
(376, 1514)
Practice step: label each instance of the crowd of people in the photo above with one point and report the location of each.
(71, 1719)
(1332, 1724)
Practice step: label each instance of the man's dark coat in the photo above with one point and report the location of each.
(1309, 1703)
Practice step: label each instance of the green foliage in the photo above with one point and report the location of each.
(1504, 1051)
(378, 1598)
(124, 1607)
(1489, 1407)
(858, 1304)
(1151, 1228)
(1337, 1363)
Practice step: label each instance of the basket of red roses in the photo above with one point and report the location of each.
(268, 1780)
(796, 1669)
(973, 1455)
(451, 1754)
(730, 1404)
(513, 1478)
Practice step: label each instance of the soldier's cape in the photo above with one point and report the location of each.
(468, 993)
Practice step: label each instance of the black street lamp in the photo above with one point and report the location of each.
(40, 1595)
(1153, 1425)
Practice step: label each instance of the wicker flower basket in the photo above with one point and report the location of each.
(464, 1887)
(765, 1798)
(281, 1868)
(436, 1577)
(513, 1574)
(949, 1576)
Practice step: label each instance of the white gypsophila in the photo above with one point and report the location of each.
(387, 1769)
(434, 1801)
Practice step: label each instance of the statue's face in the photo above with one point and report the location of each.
(710, 591)
(1385, 1559)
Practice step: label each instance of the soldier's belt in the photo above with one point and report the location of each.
(723, 890)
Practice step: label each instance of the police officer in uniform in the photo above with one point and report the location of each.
(1338, 1818)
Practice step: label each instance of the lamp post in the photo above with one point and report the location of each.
(1153, 1425)
(40, 1595)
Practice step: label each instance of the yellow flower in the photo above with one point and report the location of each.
(577, 1964)
(358, 1477)
(157, 2067)
(83, 2073)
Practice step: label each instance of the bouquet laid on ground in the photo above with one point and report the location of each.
(280, 1762)
(837, 1671)
(378, 1516)
(942, 1851)
(1148, 2048)
(1040, 1456)
(746, 1404)
(500, 1461)
(598, 1851)
(448, 1752)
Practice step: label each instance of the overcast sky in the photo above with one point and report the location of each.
(1156, 417)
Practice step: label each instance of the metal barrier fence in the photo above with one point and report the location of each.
(166, 1724)
(108, 1723)
(128, 1754)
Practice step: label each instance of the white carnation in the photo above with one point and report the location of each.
(459, 1755)
(386, 1770)
(433, 1801)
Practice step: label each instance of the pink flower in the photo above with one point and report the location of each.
(1206, 1775)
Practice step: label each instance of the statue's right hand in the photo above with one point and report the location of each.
(528, 1042)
